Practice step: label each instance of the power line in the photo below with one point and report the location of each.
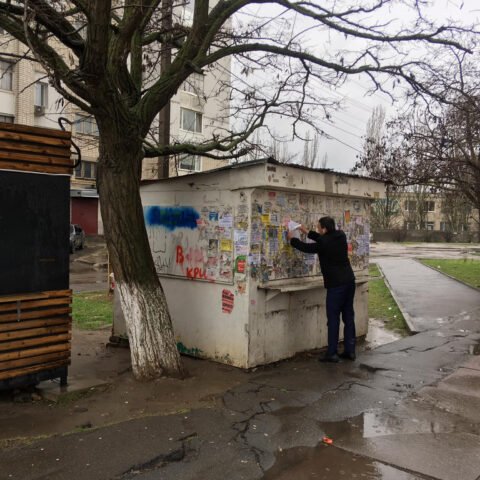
(332, 137)
(341, 129)
(377, 94)
(355, 103)
(336, 117)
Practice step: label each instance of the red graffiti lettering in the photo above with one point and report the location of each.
(196, 273)
(180, 257)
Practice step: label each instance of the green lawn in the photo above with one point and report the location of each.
(440, 244)
(381, 304)
(92, 310)
(467, 270)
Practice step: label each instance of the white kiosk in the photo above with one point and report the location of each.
(237, 292)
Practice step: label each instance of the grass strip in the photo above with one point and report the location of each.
(466, 270)
(92, 310)
(381, 304)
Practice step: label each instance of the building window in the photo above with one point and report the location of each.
(7, 118)
(86, 170)
(190, 120)
(41, 94)
(6, 75)
(410, 225)
(194, 84)
(191, 163)
(443, 226)
(86, 124)
(429, 206)
(410, 205)
(430, 225)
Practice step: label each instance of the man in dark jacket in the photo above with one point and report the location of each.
(331, 247)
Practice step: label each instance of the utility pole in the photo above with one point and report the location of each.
(163, 166)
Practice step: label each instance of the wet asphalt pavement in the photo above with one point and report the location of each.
(406, 410)
(426, 297)
(88, 267)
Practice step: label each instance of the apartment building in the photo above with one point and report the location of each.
(422, 214)
(435, 212)
(199, 109)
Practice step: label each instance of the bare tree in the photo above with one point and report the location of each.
(324, 161)
(269, 145)
(108, 67)
(310, 152)
(385, 211)
(280, 151)
(415, 205)
(457, 212)
(373, 146)
(436, 144)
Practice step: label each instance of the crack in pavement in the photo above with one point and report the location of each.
(234, 394)
(242, 433)
(372, 369)
(244, 426)
(160, 461)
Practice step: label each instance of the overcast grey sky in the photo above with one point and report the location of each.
(349, 123)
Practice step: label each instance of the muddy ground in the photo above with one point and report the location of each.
(114, 397)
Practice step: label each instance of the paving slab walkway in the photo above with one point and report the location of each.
(427, 298)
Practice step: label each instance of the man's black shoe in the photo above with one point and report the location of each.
(348, 356)
(329, 359)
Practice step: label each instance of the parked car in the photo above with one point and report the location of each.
(77, 238)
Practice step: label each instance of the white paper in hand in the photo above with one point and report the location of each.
(293, 225)
(293, 228)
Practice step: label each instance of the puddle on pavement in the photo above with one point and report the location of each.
(378, 335)
(378, 423)
(330, 463)
(333, 462)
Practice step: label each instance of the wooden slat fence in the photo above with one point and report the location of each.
(34, 149)
(35, 332)
(35, 328)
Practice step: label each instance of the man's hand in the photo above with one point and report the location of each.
(303, 229)
(289, 235)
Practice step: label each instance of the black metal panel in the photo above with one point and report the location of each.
(35, 378)
(34, 232)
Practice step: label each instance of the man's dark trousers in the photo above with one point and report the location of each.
(340, 301)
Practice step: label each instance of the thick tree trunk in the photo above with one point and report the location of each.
(152, 343)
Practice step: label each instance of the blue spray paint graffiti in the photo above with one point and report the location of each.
(171, 217)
